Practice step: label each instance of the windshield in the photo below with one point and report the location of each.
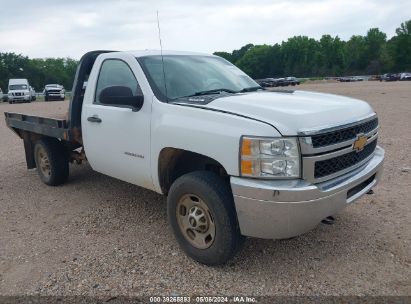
(18, 87)
(192, 75)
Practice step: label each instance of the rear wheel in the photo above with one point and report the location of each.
(201, 213)
(51, 161)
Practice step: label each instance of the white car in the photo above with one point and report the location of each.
(234, 160)
(405, 76)
(33, 94)
(19, 91)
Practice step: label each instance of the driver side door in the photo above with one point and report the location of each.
(116, 137)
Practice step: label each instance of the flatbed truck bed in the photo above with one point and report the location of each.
(62, 127)
(55, 126)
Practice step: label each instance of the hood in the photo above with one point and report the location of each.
(53, 89)
(291, 112)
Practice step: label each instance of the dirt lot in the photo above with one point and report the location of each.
(99, 236)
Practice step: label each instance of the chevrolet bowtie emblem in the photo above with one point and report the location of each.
(360, 143)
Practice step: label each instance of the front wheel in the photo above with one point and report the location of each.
(51, 161)
(202, 215)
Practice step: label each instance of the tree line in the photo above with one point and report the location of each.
(39, 72)
(299, 56)
(302, 56)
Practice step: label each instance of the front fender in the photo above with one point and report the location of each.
(208, 132)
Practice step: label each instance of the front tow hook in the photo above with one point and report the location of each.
(329, 220)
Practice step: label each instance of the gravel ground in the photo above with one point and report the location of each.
(99, 236)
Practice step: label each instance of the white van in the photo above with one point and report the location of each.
(19, 91)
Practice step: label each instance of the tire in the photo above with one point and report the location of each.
(51, 161)
(192, 191)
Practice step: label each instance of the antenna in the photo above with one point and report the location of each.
(161, 52)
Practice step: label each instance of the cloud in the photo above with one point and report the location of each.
(60, 28)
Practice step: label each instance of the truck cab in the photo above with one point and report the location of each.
(233, 159)
(19, 91)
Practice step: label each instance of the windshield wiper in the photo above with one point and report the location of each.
(218, 91)
(251, 89)
(214, 91)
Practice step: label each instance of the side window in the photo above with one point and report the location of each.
(115, 72)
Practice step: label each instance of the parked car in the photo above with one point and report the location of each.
(3, 96)
(234, 160)
(281, 82)
(389, 77)
(33, 94)
(374, 78)
(54, 92)
(405, 76)
(266, 82)
(292, 81)
(358, 78)
(19, 91)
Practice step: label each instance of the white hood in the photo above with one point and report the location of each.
(290, 113)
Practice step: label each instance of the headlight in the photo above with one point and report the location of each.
(270, 157)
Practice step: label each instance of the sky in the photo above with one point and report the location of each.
(55, 28)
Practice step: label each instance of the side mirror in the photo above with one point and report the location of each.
(121, 96)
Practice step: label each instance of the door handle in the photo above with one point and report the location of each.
(94, 119)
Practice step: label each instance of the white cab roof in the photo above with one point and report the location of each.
(142, 53)
(18, 81)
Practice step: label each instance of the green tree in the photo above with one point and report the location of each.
(299, 55)
(399, 47)
(330, 56)
(225, 55)
(355, 51)
(256, 62)
(39, 72)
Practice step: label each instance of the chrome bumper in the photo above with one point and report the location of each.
(286, 208)
(19, 98)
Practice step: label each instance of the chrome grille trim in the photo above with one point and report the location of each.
(331, 128)
(344, 134)
(311, 155)
(308, 149)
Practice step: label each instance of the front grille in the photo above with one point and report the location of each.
(343, 134)
(54, 91)
(333, 165)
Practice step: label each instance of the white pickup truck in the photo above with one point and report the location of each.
(234, 160)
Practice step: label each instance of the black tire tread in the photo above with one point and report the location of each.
(220, 196)
(59, 164)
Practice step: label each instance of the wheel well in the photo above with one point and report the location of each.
(174, 163)
(29, 140)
